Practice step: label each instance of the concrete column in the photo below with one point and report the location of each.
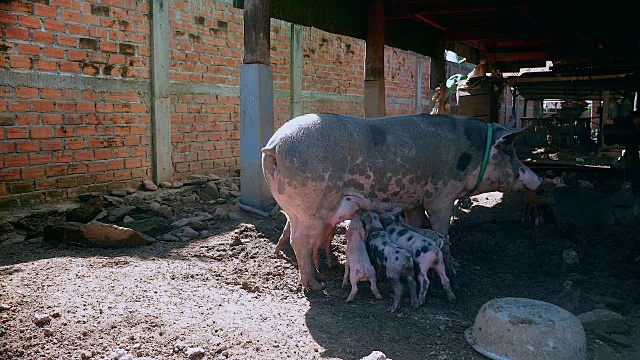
(374, 92)
(296, 70)
(256, 104)
(160, 112)
(418, 84)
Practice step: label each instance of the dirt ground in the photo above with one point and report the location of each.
(230, 296)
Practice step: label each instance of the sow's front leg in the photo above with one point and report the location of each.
(440, 217)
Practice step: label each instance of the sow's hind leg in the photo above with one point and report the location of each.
(305, 235)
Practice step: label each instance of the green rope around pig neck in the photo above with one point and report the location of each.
(485, 159)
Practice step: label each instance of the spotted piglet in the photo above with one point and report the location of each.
(396, 263)
(358, 266)
(425, 252)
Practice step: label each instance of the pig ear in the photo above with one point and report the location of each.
(507, 139)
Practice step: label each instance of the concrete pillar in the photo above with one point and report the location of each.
(374, 92)
(296, 70)
(160, 113)
(256, 104)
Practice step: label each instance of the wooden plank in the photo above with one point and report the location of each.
(374, 92)
(437, 74)
(492, 58)
(257, 30)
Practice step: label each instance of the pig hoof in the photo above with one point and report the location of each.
(378, 296)
(320, 277)
(451, 298)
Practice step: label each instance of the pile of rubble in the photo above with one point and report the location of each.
(178, 211)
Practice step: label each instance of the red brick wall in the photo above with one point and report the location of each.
(77, 118)
(56, 142)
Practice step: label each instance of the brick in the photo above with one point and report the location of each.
(32, 173)
(94, 143)
(30, 22)
(45, 65)
(42, 105)
(8, 120)
(55, 195)
(53, 25)
(8, 18)
(52, 119)
(55, 53)
(76, 55)
(67, 182)
(76, 29)
(39, 159)
(7, 147)
(133, 163)
(21, 187)
(68, 66)
(121, 153)
(17, 133)
(62, 158)
(42, 37)
(70, 16)
(28, 146)
(28, 119)
(42, 132)
(86, 180)
(115, 165)
(46, 11)
(19, 106)
(20, 62)
(8, 202)
(122, 175)
(83, 156)
(3, 191)
(26, 92)
(51, 145)
(97, 167)
(16, 161)
(56, 170)
(22, 6)
(86, 131)
(61, 3)
(85, 107)
(108, 46)
(66, 40)
(9, 175)
(74, 144)
(45, 184)
(50, 93)
(77, 169)
(17, 34)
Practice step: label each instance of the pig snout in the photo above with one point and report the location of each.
(529, 179)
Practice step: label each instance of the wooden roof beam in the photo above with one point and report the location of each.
(516, 56)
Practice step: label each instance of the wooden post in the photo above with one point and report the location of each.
(374, 92)
(437, 74)
(418, 84)
(256, 104)
(160, 112)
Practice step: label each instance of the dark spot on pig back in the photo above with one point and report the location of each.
(378, 135)
(402, 232)
(354, 184)
(463, 161)
(424, 249)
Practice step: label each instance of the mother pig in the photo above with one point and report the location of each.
(322, 168)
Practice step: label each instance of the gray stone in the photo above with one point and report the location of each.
(196, 217)
(221, 201)
(169, 237)
(107, 235)
(41, 318)
(5, 307)
(196, 180)
(115, 201)
(118, 192)
(236, 171)
(166, 185)
(235, 193)
(88, 196)
(570, 257)
(225, 192)
(131, 190)
(17, 239)
(193, 352)
(127, 219)
(198, 225)
(103, 214)
(614, 338)
(220, 214)
(204, 233)
(119, 213)
(86, 212)
(604, 320)
(178, 184)
(188, 233)
(65, 233)
(376, 355)
(164, 210)
(213, 177)
(604, 352)
(234, 187)
(191, 199)
(209, 189)
(153, 226)
(149, 185)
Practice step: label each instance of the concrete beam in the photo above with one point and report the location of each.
(256, 128)
(418, 84)
(296, 70)
(374, 92)
(160, 112)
